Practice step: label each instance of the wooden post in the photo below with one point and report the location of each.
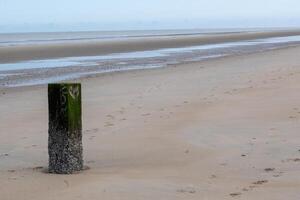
(65, 128)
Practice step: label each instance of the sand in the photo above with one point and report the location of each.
(101, 47)
(221, 129)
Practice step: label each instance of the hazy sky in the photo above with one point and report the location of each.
(50, 15)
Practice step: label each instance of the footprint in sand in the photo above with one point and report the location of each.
(38, 168)
(269, 169)
(91, 131)
(92, 137)
(213, 176)
(293, 160)
(278, 174)
(235, 194)
(4, 155)
(260, 182)
(108, 124)
(67, 183)
(110, 116)
(189, 190)
(121, 111)
(255, 185)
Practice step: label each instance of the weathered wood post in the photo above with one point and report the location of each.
(65, 128)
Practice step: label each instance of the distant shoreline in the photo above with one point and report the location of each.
(10, 54)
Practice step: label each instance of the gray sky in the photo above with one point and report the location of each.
(51, 15)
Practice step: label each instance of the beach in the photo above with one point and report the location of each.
(224, 128)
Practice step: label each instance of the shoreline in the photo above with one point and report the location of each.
(95, 75)
(95, 66)
(47, 51)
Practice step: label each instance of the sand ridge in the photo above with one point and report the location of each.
(59, 50)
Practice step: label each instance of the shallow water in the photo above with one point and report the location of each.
(125, 57)
(43, 71)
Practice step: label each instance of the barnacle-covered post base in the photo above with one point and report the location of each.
(65, 128)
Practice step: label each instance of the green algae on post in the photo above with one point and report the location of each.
(65, 128)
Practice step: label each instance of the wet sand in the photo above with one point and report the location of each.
(221, 129)
(59, 50)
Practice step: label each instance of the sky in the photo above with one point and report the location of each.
(76, 15)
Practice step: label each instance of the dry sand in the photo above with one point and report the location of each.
(94, 48)
(221, 129)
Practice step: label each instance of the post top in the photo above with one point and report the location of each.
(64, 83)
